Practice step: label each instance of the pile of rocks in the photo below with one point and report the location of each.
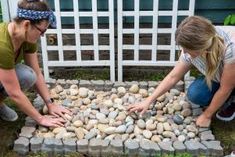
(101, 124)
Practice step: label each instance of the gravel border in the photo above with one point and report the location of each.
(27, 142)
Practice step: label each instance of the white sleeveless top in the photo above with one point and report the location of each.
(228, 34)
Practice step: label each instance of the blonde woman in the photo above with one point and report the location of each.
(212, 51)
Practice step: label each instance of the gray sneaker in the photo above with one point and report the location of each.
(232, 154)
(7, 114)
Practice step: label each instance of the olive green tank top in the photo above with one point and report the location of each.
(9, 58)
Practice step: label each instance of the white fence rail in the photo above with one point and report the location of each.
(60, 48)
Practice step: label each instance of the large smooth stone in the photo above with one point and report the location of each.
(178, 119)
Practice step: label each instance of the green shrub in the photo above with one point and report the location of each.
(230, 20)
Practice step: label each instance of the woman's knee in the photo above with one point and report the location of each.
(196, 97)
(26, 76)
(199, 93)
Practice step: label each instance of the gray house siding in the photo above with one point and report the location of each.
(215, 10)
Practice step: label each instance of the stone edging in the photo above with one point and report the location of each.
(27, 141)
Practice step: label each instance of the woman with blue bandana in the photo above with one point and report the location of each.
(18, 42)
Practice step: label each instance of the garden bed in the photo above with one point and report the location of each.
(100, 124)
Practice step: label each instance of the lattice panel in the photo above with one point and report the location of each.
(79, 37)
(146, 36)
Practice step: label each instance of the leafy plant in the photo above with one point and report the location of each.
(230, 20)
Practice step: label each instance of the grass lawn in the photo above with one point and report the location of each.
(224, 132)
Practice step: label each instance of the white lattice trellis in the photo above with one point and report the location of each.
(60, 48)
(93, 48)
(136, 31)
(8, 9)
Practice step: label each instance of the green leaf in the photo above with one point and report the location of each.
(227, 20)
(232, 20)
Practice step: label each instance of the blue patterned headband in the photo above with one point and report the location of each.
(37, 15)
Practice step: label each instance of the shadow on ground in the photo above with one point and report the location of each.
(224, 132)
(8, 133)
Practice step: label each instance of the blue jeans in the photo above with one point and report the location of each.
(26, 77)
(199, 93)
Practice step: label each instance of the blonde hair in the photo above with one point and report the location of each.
(198, 33)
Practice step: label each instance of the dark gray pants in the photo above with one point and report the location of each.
(26, 77)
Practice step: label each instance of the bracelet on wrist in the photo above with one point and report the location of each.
(49, 101)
